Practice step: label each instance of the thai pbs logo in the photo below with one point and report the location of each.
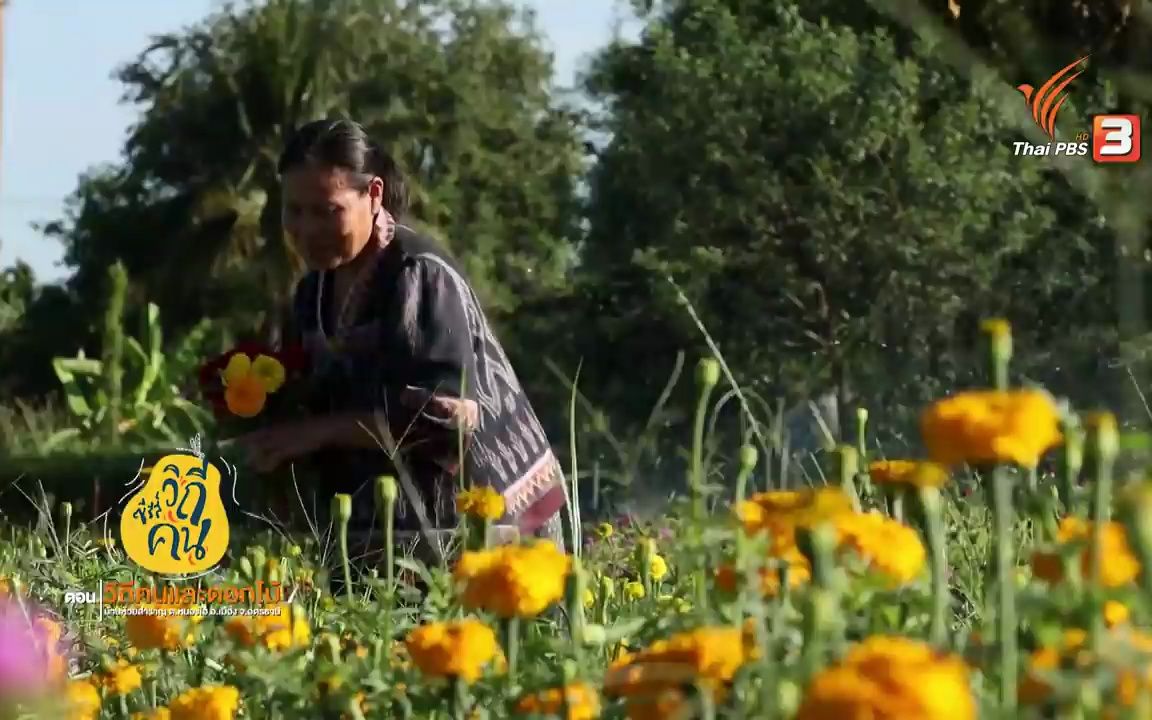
(1113, 138)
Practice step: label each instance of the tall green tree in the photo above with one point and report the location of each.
(459, 90)
(840, 205)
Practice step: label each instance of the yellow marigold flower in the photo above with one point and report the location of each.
(782, 512)
(605, 530)
(583, 702)
(634, 590)
(886, 545)
(121, 679)
(157, 631)
(665, 705)
(452, 649)
(708, 656)
(1016, 426)
(512, 580)
(891, 678)
(1119, 564)
(657, 567)
(209, 702)
(589, 598)
(798, 574)
(239, 366)
(5, 586)
(482, 503)
(908, 472)
(1116, 613)
(269, 372)
(285, 630)
(162, 713)
(83, 700)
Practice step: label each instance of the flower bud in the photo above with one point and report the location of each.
(386, 492)
(1105, 434)
(245, 567)
(342, 507)
(999, 333)
(259, 557)
(295, 551)
(707, 373)
(862, 415)
(66, 510)
(607, 587)
(749, 456)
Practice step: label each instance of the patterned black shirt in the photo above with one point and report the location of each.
(421, 355)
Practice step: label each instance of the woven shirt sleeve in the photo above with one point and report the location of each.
(429, 349)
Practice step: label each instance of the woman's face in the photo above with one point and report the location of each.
(329, 219)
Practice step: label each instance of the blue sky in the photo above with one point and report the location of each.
(61, 110)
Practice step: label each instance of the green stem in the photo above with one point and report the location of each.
(698, 497)
(1006, 570)
(941, 595)
(511, 632)
(458, 699)
(345, 560)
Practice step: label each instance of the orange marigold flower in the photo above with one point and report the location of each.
(246, 396)
(709, 656)
(1015, 426)
(885, 545)
(482, 503)
(452, 649)
(209, 702)
(1119, 564)
(908, 472)
(157, 630)
(891, 678)
(582, 700)
(512, 580)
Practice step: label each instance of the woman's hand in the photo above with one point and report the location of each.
(270, 447)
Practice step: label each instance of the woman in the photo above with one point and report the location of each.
(408, 371)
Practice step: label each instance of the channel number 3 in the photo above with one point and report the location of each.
(1116, 138)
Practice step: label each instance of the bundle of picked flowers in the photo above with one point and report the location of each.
(252, 380)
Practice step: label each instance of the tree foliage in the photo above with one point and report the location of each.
(459, 90)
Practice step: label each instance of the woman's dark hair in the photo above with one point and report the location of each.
(345, 144)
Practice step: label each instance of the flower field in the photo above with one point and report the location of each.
(999, 575)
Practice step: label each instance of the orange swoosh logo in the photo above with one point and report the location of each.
(1047, 101)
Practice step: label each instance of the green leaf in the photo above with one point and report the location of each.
(66, 370)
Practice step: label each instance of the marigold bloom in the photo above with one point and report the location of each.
(605, 530)
(482, 503)
(657, 567)
(782, 512)
(908, 472)
(1015, 426)
(209, 702)
(583, 702)
(452, 649)
(1119, 564)
(121, 679)
(83, 700)
(246, 396)
(799, 573)
(157, 631)
(886, 545)
(279, 632)
(1116, 613)
(269, 372)
(634, 590)
(709, 656)
(513, 580)
(161, 713)
(665, 705)
(891, 678)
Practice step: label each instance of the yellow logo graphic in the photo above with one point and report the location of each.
(176, 524)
